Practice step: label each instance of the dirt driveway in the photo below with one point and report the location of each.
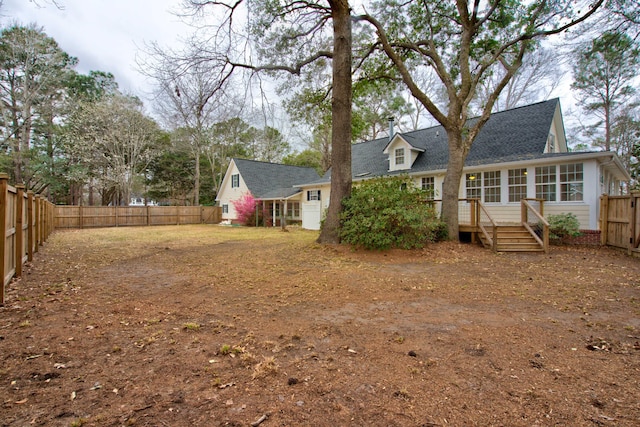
(214, 326)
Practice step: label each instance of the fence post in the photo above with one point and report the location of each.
(4, 183)
(604, 219)
(37, 223)
(148, 215)
(31, 229)
(45, 220)
(19, 249)
(635, 226)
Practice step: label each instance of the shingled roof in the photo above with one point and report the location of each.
(273, 180)
(511, 135)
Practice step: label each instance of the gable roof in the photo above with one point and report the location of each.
(510, 135)
(273, 180)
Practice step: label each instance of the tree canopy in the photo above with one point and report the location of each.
(463, 44)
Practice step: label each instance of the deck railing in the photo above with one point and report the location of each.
(532, 216)
(487, 225)
(466, 210)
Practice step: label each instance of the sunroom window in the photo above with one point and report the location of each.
(429, 185)
(571, 182)
(473, 183)
(492, 187)
(517, 184)
(546, 183)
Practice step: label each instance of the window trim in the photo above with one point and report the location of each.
(293, 210)
(473, 183)
(317, 196)
(517, 186)
(547, 187)
(399, 153)
(566, 184)
(235, 180)
(429, 186)
(490, 190)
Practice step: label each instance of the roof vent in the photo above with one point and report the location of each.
(391, 130)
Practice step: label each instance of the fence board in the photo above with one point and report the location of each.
(125, 216)
(620, 221)
(25, 222)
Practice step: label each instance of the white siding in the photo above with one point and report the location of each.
(582, 212)
(228, 194)
(314, 211)
(587, 210)
(507, 213)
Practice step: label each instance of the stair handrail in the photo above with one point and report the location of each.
(493, 240)
(527, 207)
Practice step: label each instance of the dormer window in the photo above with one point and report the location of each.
(399, 152)
(551, 143)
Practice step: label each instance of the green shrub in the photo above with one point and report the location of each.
(563, 225)
(385, 213)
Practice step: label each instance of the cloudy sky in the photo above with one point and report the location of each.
(105, 35)
(109, 35)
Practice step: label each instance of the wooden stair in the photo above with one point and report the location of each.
(513, 238)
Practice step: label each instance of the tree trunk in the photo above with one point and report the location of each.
(341, 120)
(451, 186)
(196, 184)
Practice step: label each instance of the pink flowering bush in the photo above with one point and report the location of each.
(245, 208)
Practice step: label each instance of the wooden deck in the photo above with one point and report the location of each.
(530, 235)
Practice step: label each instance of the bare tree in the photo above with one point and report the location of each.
(537, 78)
(464, 43)
(116, 140)
(288, 37)
(188, 97)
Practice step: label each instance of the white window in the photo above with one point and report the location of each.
(225, 209)
(517, 184)
(313, 195)
(429, 185)
(492, 187)
(293, 210)
(235, 180)
(399, 156)
(546, 183)
(473, 183)
(571, 182)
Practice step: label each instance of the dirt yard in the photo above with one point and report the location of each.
(215, 326)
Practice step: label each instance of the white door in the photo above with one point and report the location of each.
(311, 215)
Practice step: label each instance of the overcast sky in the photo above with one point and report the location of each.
(104, 35)
(108, 35)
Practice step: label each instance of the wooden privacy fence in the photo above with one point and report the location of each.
(620, 221)
(27, 221)
(121, 216)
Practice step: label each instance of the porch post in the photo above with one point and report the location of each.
(283, 215)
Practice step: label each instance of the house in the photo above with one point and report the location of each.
(519, 153)
(270, 183)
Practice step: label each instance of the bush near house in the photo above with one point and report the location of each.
(562, 226)
(245, 208)
(385, 213)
